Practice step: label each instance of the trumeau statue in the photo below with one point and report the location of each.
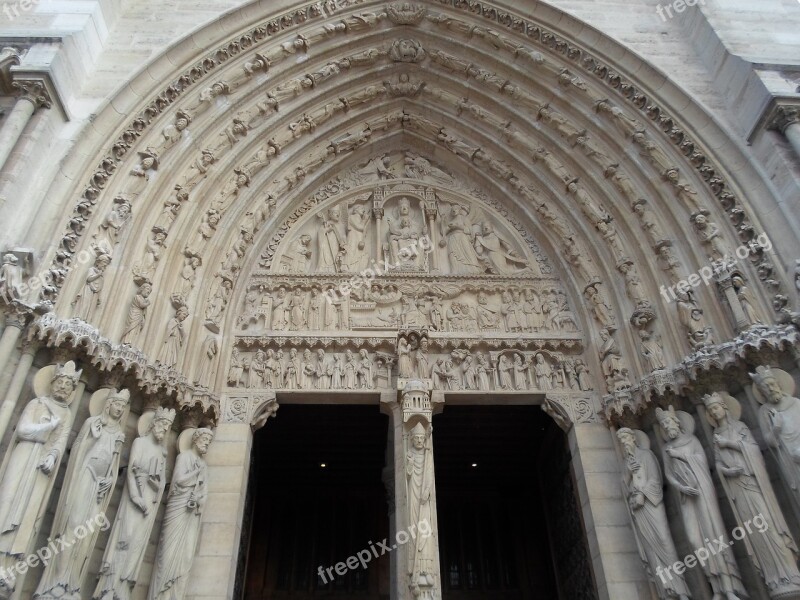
(644, 492)
(779, 419)
(144, 486)
(686, 469)
(419, 479)
(746, 482)
(181, 527)
(32, 460)
(88, 484)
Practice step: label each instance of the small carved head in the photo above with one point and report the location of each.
(669, 422)
(201, 439)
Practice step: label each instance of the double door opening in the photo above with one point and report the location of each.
(509, 525)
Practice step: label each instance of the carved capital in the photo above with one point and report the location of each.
(254, 409)
(35, 91)
(783, 113)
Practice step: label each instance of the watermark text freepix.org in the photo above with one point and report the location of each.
(55, 546)
(679, 6)
(725, 265)
(363, 557)
(712, 548)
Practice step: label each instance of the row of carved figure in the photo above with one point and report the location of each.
(28, 473)
(745, 481)
(512, 311)
(459, 370)
(401, 233)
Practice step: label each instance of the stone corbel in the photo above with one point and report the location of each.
(254, 409)
(570, 409)
(9, 57)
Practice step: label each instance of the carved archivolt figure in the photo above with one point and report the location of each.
(87, 301)
(144, 486)
(10, 278)
(181, 527)
(747, 302)
(644, 493)
(692, 318)
(710, 235)
(422, 553)
(652, 350)
(686, 470)
(779, 419)
(31, 463)
(88, 483)
(602, 310)
(746, 482)
(176, 335)
(113, 225)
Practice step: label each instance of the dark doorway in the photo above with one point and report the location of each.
(509, 526)
(305, 515)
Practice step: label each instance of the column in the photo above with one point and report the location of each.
(33, 95)
(11, 333)
(215, 563)
(785, 118)
(416, 570)
(613, 550)
(17, 382)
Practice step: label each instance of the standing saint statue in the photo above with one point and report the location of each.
(31, 462)
(419, 478)
(779, 419)
(88, 483)
(331, 241)
(644, 491)
(181, 527)
(686, 470)
(146, 480)
(458, 237)
(746, 482)
(355, 257)
(137, 313)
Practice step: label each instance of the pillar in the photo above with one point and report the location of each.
(613, 552)
(14, 325)
(415, 561)
(17, 382)
(33, 95)
(785, 118)
(214, 569)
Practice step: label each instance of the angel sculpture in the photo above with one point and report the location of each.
(458, 229)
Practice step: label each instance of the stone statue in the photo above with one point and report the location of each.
(644, 492)
(543, 373)
(298, 257)
(331, 241)
(482, 373)
(779, 419)
(10, 278)
(31, 463)
(87, 301)
(144, 486)
(652, 350)
(610, 357)
(405, 366)
(181, 527)
(710, 235)
(746, 482)
(236, 369)
(422, 553)
(355, 257)
(498, 253)
(747, 302)
(176, 335)
(692, 318)
(113, 225)
(88, 483)
(686, 470)
(458, 237)
(405, 232)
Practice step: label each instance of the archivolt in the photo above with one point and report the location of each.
(250, 146)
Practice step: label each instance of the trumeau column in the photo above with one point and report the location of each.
(213, 573)
(416, 560)
(613, 550)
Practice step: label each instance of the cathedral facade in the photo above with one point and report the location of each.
(440, 300)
